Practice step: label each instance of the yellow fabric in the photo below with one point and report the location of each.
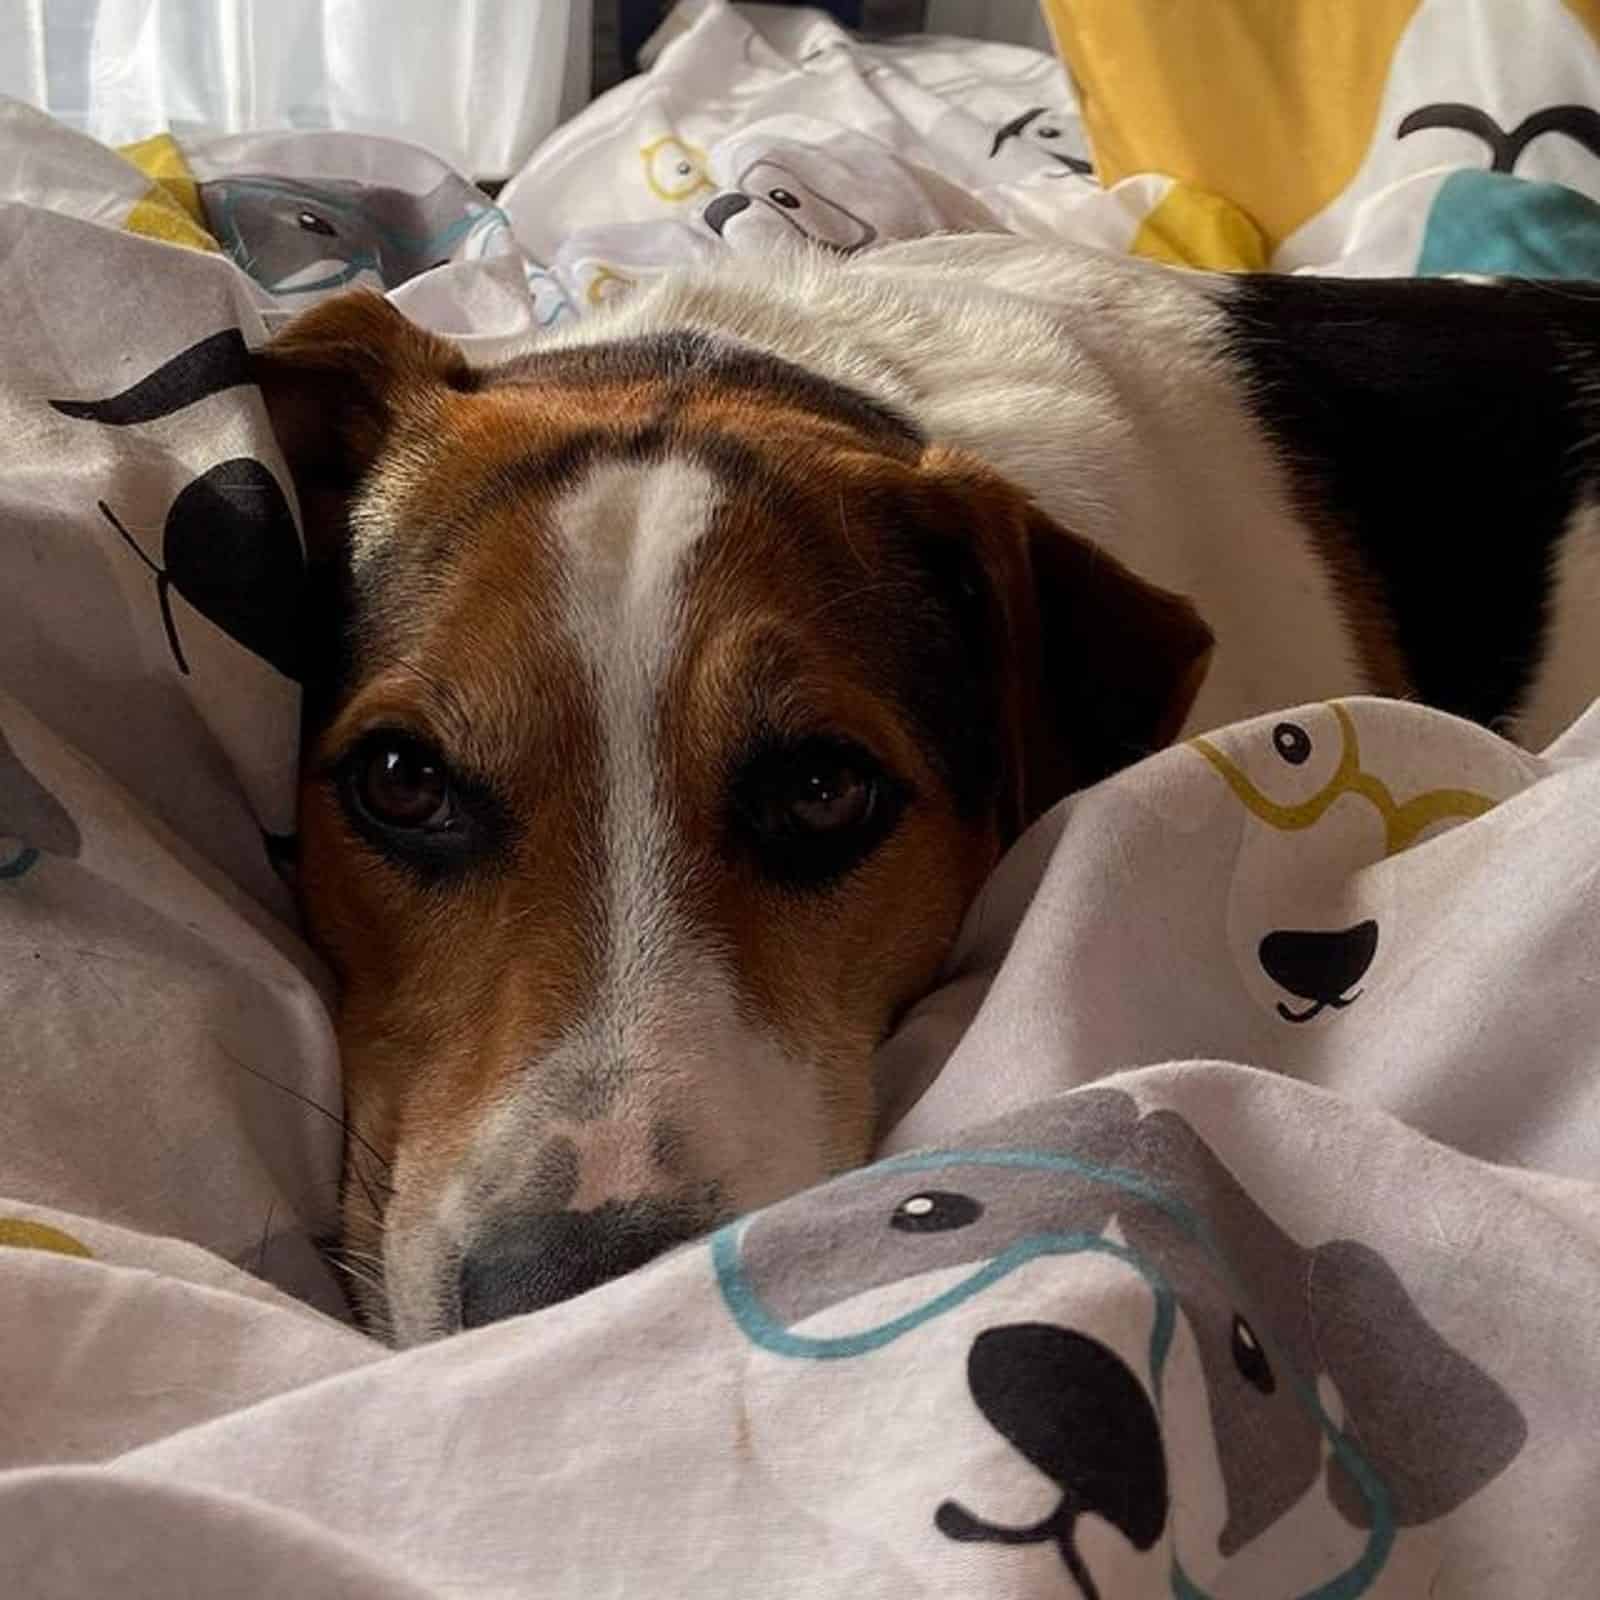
(170, 209)
(1272, 103)
(16, 1234)
(1192, 228)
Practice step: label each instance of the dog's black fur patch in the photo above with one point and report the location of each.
(683, 360)
(1446, 431)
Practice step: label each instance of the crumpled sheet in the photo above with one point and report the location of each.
(1238, 1232)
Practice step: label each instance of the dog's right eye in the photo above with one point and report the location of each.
(401, 783)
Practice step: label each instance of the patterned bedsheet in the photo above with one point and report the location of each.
(1236, 1231)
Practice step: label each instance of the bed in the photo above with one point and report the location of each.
(1236, 1226)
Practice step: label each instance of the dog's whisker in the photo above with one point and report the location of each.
(266, 1239)
(294, 1094)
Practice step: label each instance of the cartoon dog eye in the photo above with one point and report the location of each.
(935, 1211)
(1292, 742)
(1250, 1358)
(312, 223)
(782, 197)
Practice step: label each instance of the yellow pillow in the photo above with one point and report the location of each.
(1275, 104)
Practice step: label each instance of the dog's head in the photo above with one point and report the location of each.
(677, 703)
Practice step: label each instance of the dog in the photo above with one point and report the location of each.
(682, 679)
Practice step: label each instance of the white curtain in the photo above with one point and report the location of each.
(478, 82)
(1013, 21)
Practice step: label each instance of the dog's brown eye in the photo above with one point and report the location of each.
(828, 796)
(400, 783)
(410, 805)
(811, 810)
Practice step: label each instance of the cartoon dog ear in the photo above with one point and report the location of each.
(337, 381)
(1435, 1426)
(1108, 665)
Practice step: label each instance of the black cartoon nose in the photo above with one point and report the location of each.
(723, 209)
(1321, 967)
(1073, 1408)
(539, 1260)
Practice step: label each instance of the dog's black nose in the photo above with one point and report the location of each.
(1320, 967)
(539, 1260)
(722, 210)
(1074, 1409)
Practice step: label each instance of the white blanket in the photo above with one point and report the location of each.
(1239, 1232)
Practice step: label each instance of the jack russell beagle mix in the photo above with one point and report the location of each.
(683, 678)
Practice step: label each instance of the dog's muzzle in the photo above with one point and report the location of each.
(535, 1261)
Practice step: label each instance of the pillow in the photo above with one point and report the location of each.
(1304, 113)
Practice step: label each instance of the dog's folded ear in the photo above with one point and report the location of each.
(1107, 664)
(336, 382)
(1120, 660)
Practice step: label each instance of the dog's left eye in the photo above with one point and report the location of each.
(815, 809)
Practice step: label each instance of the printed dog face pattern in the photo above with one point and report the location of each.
(296, 238)
(1316, 815)
(1167, 1380)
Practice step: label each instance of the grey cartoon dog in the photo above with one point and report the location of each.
(1307, 1400)
(298, 238)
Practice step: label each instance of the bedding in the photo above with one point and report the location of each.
(1395, 135)
(1236, 1230)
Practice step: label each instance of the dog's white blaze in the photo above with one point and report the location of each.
(664, 1025)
